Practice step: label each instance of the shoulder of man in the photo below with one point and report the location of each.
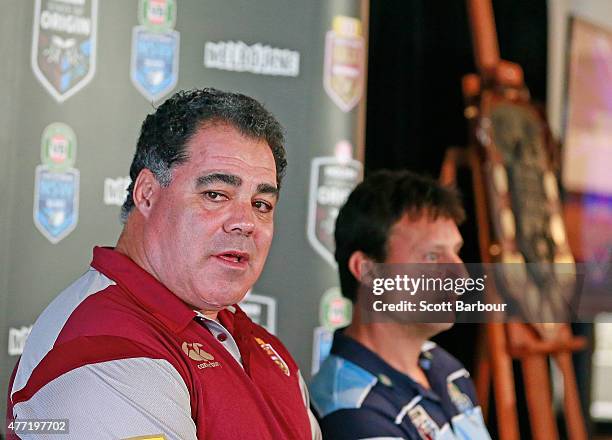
(92, 320)
(342, 385)
(346, 408)
(446, 368)
(92, 356)
(441, 359)
(453, 381)
(344, 395)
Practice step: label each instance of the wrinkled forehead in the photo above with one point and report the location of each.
(219, 136)
(247, 139)
(221, 150)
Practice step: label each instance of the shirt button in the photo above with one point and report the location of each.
(222, 337)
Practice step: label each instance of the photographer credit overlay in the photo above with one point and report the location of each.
(481, 293)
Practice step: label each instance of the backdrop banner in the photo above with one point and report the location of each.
(306, 61)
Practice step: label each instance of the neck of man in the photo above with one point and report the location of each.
(131, 245)
(399, 345)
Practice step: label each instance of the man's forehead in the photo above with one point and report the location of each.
(224, 129)
(222, 148)
(424, 225)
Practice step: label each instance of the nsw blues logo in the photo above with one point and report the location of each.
(64, 45)
(56, 202)
(56, 186)
(155, 61)
(321, 347)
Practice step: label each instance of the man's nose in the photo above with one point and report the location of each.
(455, 266)
(453, 260)
(241, 220)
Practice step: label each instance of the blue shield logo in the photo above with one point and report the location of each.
(56, 202)
(321, 347)
(155, 62)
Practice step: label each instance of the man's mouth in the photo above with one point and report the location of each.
(237, 258)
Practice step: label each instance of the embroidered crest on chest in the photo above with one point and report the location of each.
(273, 354)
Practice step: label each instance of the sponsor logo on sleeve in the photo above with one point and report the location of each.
(331, 181)
(424, 424)
(64, 45)
(321, 347)
(461, 401)
(273, 354)
(261, 309)
(56, 186)
(344, 63)
(154, 65)
(260, 59)
(17, 338)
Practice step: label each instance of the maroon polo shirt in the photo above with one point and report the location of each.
(155, 365)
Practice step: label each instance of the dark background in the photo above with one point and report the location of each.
(419, 51)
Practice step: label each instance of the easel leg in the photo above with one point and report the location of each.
(573, 411)
(483, 372)
(538, 393)
(503, 382)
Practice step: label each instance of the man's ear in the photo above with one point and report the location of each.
(146, 189)
(360, 265)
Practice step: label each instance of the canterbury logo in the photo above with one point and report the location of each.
(195, 352)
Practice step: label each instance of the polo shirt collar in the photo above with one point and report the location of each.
(152, 295)
(353, 351)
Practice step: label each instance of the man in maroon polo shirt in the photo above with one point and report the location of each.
(149, 342)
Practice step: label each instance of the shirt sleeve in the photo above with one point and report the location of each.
(314, 425)
(362, 424)
(115, 400)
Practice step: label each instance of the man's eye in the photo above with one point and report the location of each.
(213, 195)
(431, 256)
(263, 206)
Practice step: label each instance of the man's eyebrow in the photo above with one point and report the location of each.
(266, 188)
(442, 246)
(208, 179)
(233, 180)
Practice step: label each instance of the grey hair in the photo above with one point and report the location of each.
(164, 135)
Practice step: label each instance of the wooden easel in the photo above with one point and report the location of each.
(501, 83)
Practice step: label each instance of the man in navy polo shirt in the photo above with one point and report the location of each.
(384, 378)
(149, 342)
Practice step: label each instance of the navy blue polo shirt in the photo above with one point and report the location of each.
(357, 395)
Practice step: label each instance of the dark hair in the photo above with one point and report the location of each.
(165, 134)
(376, 204)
